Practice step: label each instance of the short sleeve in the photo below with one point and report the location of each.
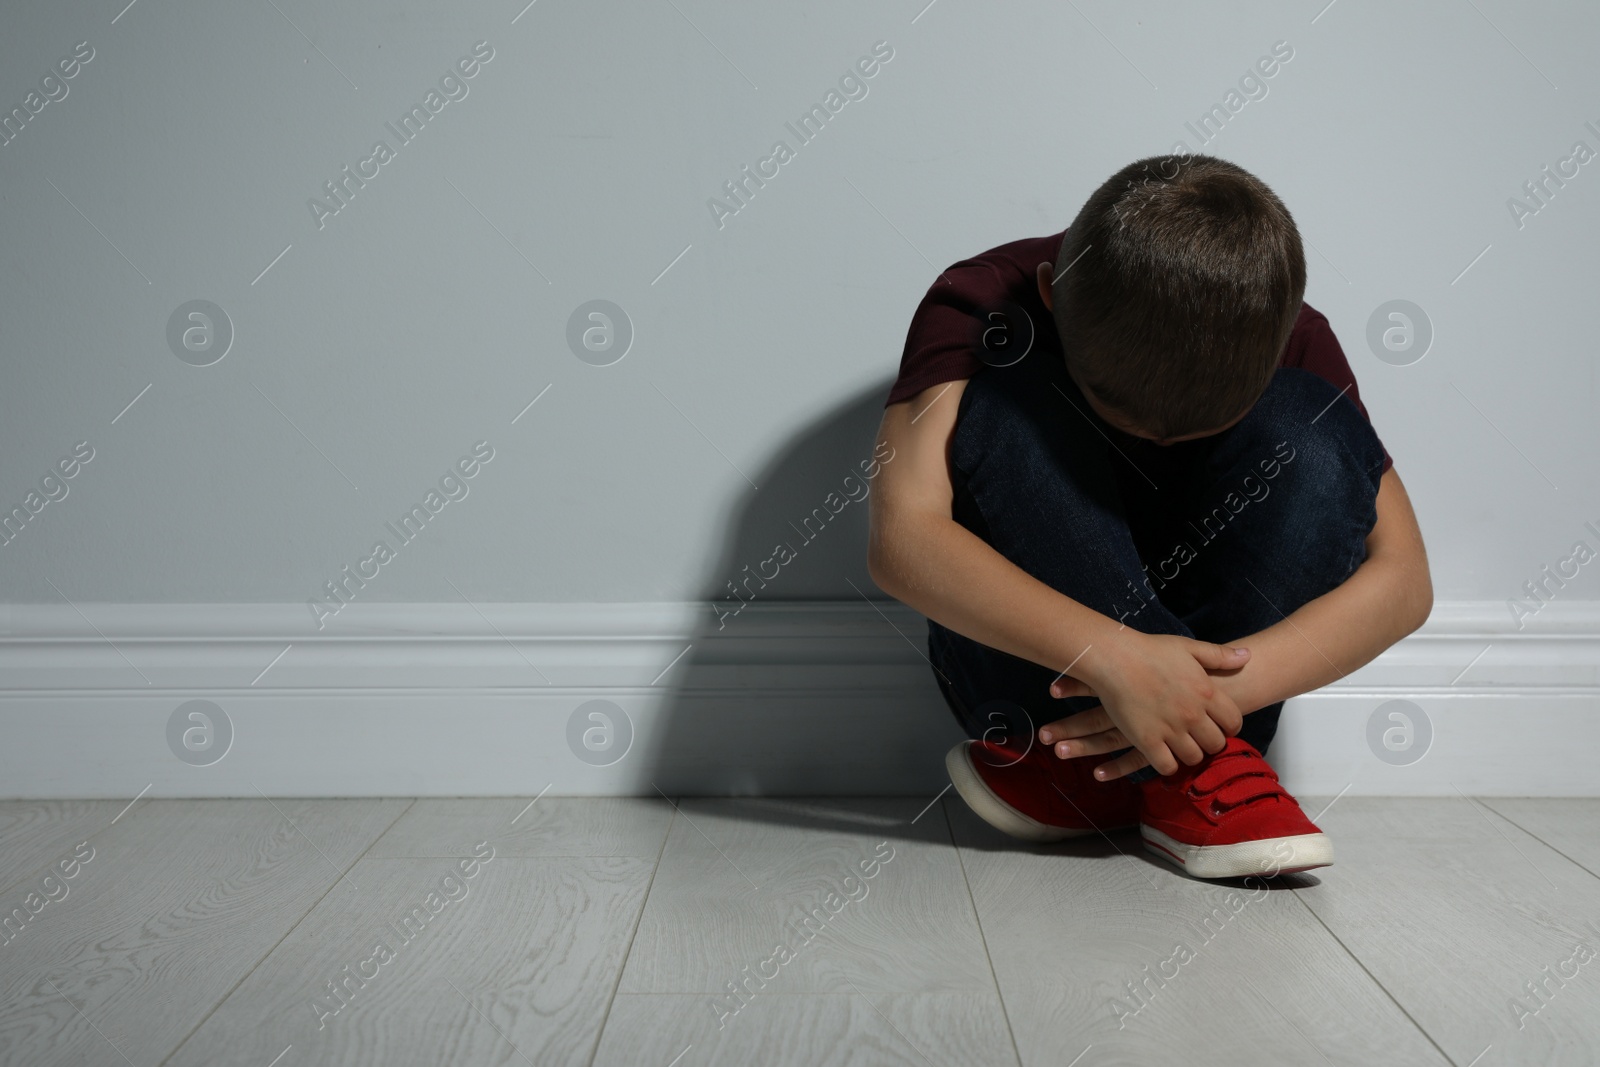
(945, 336)
(1313, 347)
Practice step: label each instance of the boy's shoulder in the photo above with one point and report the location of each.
(1312, 344)
(955, 325)
(1007, 265)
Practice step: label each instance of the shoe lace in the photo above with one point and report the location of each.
(1235, 777)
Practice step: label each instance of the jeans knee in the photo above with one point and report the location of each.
(980, 414)
(1304, 420)
(999, 424)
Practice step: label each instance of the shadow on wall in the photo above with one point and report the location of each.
(774, 665)
(830, 550)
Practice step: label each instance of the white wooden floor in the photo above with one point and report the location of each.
(611, 931)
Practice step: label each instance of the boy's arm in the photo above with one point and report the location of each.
(1156, 688)
(1388, 596)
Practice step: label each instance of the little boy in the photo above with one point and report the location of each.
(1132, 469)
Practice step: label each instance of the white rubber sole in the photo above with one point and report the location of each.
(991, 809)
(1266, 858)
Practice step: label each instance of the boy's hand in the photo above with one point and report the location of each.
(1156, 696)
(1092, 733)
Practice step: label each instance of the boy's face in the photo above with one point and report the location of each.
(1111, 417)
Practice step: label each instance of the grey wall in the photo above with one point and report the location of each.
(428, 312)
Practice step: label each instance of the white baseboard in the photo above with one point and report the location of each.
(796, 698)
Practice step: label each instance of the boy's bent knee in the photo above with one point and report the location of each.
(1304, 420)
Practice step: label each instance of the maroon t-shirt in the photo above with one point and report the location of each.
(942, 344)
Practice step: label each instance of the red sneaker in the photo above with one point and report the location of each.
(1229, 817)
(1039, 796)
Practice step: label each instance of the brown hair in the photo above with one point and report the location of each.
(1175, 291)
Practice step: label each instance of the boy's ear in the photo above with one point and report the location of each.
(1044, 274)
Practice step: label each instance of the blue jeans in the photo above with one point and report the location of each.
(1213, 539)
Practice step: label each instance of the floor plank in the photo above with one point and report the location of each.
(1454, 909)
(526, 826)
(851, 887)
(35, 834)
(204, 931)
(175, 904)
(519, 968)
(1097, 947)
(806, 1029)
(1571, 826)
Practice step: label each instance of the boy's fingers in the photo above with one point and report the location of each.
(1084, 723)
(1070, 687)
(1092, 745)
(1218, 657)
(1156, 753)
(1185, 749)
(1127, 765)
(1226, 714)
(1209, 736)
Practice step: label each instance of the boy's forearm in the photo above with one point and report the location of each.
(947, 573)
(1333, 635)
(1386, 598)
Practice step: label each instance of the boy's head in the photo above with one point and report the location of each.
(1174, 293)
